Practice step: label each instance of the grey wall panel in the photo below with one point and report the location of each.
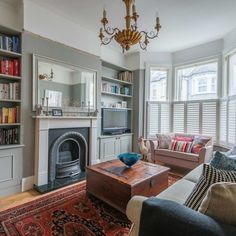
(33, 44)
(138, 106)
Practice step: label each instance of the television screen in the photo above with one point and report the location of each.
(114, 120)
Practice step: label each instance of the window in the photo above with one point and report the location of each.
(197, 82)
(158, 81)
(232, 74)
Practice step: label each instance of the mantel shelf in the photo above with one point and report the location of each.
(66, 117)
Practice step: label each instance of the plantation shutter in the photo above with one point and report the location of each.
(153, 119)
(209, 118)
(178, 118)
(165, 118)
(232, 122)
(193, 110)
(223, 122)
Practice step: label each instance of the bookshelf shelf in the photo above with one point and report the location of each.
(2, 147)
(110, 79)
(10, 77)
(10, 53)
(10, 124)
(116, 94)
(10, 100)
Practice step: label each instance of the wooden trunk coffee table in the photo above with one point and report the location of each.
(116, 184)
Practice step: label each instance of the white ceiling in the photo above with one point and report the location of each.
(186, 23)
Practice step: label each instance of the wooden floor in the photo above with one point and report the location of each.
(21, 198)
(18, 199)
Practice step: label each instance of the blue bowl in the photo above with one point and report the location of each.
(129, 158)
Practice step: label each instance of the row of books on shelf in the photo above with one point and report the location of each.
(10, 91)
(9, 136)
(117, 89)
(126, 76)
(10, 66)
(10, 43)
(9, 115)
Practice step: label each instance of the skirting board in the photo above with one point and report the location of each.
(27, 183)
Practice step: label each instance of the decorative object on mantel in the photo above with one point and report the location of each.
(130, 35)
(49, 77)
(39, 110)
(57, 112)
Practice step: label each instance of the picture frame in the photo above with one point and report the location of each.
(54, 98)
(57, 112)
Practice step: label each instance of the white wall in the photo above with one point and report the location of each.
(208, 50)
(230, 41)
(46, 23)
(10, 15)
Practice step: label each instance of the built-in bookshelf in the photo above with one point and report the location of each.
(116, 87)
(10, 88)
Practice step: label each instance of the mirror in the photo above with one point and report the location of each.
(63, 86)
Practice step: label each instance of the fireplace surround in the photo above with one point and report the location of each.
(86, 126)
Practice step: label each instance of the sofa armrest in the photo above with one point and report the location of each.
(205, 154)
(164, 217)
(133, 212)
(153, 146)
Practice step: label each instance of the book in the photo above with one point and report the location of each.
(16, 67)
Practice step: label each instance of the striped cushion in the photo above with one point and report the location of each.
(209, 176)
(181, 146)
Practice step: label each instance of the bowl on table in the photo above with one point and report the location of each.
(129, 158)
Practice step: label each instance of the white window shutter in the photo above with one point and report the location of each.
(232, 122)
(153, 119)
(209, 118)
(193, 110)
(165, 118)
(178, 118)
(223, 122)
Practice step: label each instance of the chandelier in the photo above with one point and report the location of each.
(130, 35)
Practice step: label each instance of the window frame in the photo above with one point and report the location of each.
(169, 85)
(188, 65)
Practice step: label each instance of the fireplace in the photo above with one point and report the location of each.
(67, 153)
(72, 141)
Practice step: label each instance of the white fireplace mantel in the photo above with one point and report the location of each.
(42, 126)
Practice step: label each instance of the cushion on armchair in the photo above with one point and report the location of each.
(220, 203)
(209, 176)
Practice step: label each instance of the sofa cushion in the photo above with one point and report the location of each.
(223, 195)
(198, 143)
(209, 176)
(195, 174)
(181, 146)
(178, 192)
(178, 155)
(223, 162)
(164, 140)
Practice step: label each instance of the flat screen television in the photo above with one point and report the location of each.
(114, 121)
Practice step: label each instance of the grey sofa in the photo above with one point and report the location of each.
(181, 159)
(167, 211)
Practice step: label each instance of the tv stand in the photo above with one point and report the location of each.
(110, 146)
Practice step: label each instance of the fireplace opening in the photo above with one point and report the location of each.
(68, 156)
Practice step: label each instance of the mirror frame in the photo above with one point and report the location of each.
(35, 93)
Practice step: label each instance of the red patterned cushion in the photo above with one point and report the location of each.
(182, 138)
(181, 146)
(198, 143)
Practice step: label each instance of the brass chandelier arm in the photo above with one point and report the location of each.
(106, 40)
(150, 35)
(109, 30)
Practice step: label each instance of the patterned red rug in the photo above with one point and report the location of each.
(67, 212)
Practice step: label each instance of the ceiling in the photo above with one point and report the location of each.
(186, 23)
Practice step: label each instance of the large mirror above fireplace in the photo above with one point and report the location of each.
(63, 86)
